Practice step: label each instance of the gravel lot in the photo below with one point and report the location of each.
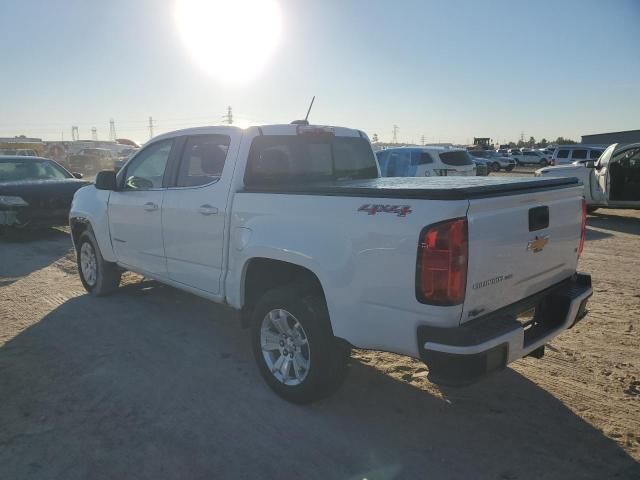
(155, 383)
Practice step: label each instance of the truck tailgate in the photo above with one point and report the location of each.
(519, 245)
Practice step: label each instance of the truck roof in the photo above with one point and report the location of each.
(274, 129)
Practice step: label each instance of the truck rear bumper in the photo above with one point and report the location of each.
(461, 355)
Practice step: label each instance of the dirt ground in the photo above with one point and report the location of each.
(155, 383)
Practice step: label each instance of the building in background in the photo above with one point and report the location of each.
(629, 136)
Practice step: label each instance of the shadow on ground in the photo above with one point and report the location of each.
(155, 383)
(616, 223)
(47, 246)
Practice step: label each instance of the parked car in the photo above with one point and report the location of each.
(482, 166)
(292, 226)
(611, 181)
(35, 192)
(567, 154)
(424, 161)
(496, 161)
(26, 152)
(90, 161)
(531, 157)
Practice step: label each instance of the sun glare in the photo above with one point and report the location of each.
(232, 40)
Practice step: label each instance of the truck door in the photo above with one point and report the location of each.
(194, 211)
(624, 178)
(135, 211)
(599, 178)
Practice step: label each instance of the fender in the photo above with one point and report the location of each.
(90, 205)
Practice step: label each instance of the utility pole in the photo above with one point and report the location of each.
(150, 128)
(75, 136)
(94, 133)
(228, 118)
(112, 130)
(395, 133)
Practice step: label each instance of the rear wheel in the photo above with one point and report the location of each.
(509, 168)
(98, 276)
(495, 166)
(294, 347)
(543, 163)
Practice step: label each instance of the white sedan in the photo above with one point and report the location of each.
(531, 157)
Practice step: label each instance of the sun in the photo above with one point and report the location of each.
(232, 40)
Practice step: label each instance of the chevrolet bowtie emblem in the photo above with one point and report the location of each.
(538, 244)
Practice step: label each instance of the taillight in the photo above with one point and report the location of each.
(583, 228)
(441, 270)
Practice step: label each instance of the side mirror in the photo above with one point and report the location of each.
(77, 175)
(106, 180)
(590, 164)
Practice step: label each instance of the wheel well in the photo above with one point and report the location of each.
(78, 226)
(263, 274)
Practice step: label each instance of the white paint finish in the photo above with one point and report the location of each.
(90, 204)
(194, 226)
(136, 230)
(498, 239)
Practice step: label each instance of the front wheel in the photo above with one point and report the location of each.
(294, 347)
(509, 168)
(98, 276)
(543, 163)
(495, 167)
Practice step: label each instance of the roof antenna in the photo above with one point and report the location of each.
(306, 119)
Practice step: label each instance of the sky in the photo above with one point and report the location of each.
(445, 70)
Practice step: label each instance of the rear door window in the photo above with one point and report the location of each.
(203, 159)
(420, 158)
(563, 154)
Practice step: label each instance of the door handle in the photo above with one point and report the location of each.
(207, 210)
(150, 207)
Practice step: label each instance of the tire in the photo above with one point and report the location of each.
(543, 163)
(509, 168)
(98, 276)
(591, 209)
(287, 318)
(495, 166)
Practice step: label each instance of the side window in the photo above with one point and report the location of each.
(579, 155)
(202, 160)
(399, 163)
(563, 154)
(420, 158)
(147, 169)
(595, 154)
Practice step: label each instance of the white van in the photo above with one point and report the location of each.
(566, 154)
(425, 162)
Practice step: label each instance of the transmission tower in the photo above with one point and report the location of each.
(94, 133)
(150, 128)
(112, 130)
(395, 133)
(422, 139)
(75, 136)
(228, 118)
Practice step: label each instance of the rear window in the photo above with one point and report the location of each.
(456, 158)
(563, 154)
(295, 159)
(579, 155)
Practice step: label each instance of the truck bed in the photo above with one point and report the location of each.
(431, 188)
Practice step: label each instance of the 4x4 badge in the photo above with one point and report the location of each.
(538, 244)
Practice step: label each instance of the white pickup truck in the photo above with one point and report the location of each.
(612, 181)
(292, 226)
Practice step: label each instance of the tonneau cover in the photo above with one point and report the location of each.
(432, 188)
